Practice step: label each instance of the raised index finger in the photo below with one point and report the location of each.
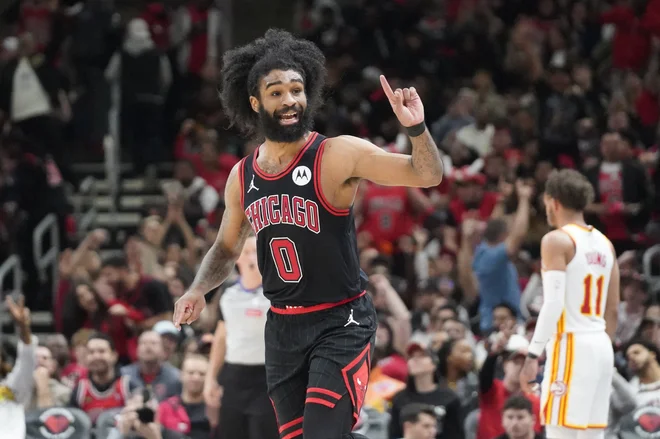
(386, 87)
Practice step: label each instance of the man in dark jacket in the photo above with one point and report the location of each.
(624, 195)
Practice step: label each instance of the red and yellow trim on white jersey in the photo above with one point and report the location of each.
(556, 404)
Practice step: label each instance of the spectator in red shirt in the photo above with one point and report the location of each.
(632, 41)
(186, 412)
(493, 392)
(388, 213)
(84, 308)
(391, 363)
(158, 20)
(198, 33)
(471, 200)
(209, 162)
(103, 389)
(142, 299)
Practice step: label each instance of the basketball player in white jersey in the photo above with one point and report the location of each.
(239, 352)
(578, 317)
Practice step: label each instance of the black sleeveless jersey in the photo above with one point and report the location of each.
(307, 249)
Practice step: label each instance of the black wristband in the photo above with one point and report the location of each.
(416, 130)
(532, 356)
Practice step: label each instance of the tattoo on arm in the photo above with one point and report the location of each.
(425, 158)
(218, 263)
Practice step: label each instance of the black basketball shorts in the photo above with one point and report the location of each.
(318, 355)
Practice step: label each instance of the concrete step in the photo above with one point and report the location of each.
(118, 220)
(129, 203)
(39, 318)
(97, 169)
(132, 185)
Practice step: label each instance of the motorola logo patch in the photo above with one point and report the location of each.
(302, 175)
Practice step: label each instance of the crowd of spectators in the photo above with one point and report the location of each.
(512, 90)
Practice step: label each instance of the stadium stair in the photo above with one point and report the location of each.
(136, 196)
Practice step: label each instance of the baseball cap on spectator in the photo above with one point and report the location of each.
(419, 343)
(516, 347)
(165, 327)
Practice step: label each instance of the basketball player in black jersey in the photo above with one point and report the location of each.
(296, 192)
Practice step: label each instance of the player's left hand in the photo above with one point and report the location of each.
(528, 374)
(406, 103)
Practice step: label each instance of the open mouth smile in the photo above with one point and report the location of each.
(289, 118)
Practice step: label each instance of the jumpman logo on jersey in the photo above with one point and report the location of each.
(252, 186)
(351, 320)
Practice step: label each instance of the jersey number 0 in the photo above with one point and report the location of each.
(286, 259)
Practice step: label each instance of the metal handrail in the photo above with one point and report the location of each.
(647, 260)
(112, 170)
(50, 258)
(89, 189)
(12, 265)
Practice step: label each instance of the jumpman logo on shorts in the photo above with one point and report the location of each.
(252, 186)
(351, 320)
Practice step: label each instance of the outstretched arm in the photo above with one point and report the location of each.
(234, 230)
(218, 263)
(423, 168)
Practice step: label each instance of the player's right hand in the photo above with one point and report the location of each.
(188, 309)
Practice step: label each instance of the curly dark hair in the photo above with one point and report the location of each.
(244, 67)
(570, 188)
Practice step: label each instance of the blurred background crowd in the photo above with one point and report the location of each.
(114, 153)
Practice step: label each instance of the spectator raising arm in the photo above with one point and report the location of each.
(399, 318)
(16, 389)
(20, 379)
(520, 224)
(466, 277)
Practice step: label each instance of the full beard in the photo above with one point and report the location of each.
(275, 131)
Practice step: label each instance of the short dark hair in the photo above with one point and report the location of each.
(518, 402)
(102, 336)
(508, 307)
(244, 67)
(454, 319)
(645, 344)
(443, 356)
(494, 230)
(450, 306)
(115, 261)
(411, 412)
(570, 188)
